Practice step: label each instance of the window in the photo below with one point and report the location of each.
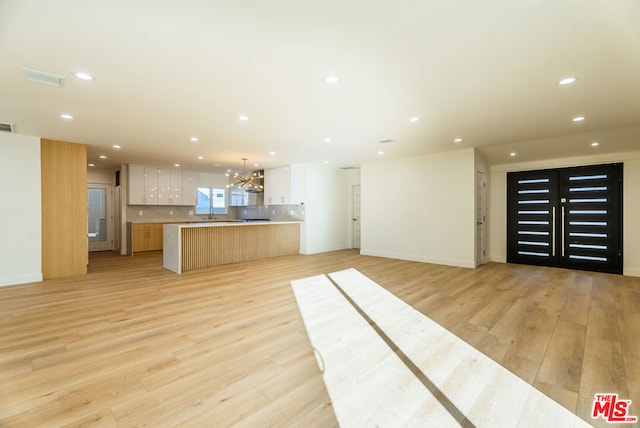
(211, 201)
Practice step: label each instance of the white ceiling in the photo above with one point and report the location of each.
(485, 71)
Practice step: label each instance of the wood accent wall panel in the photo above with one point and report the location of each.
(64, 208)
(211, 246)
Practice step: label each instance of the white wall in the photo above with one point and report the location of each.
(631, 202)
(206, 179)
(326, 206)
(421, 208)
(101, 176)
(21, 213)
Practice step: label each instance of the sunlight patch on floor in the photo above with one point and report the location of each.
(432, 379)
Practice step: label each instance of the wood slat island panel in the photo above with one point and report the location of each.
(189, 247)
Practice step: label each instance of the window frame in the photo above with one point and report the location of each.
(211, 209)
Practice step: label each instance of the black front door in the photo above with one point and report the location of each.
(568, 217)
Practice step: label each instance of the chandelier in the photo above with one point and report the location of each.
(249, 181)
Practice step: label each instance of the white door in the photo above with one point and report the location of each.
(481, 248)
(356, 216)
(100, 217)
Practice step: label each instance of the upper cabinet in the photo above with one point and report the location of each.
(155, 186)
(284, 185)
(164, 186)
(189, 188)
(141, 187)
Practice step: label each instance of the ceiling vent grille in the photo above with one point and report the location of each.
(8, 127)
(42, 77)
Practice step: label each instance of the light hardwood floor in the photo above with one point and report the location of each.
(132, 344)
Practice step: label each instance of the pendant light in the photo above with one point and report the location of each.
(249, 181)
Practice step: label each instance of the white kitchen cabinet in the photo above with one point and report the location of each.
(169, 187)
(189, 188)
(155, 186)
(136, 185)
(150, 186)
(143, 185)
(175, 197)
(270, 185)
(164, 186)
(284, 185)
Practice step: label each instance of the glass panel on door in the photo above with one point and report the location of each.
(99, 218)
(97, 215)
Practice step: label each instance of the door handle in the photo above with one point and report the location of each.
(563, 231)
(553, 232)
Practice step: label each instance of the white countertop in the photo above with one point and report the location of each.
(230, 223)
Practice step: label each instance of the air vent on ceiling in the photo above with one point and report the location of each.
(42, 77)
(348, 167)
(8, 127)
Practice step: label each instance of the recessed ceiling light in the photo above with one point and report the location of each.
(578, 119)
(66, 116)
(228, 170)
(414, 119)
(567, 81)
(176, 165)
(83, 76)
(102, 157)
(326, 162)
(331, 79)
(256, 164)
(200, 157)
(243, 118)
(595, 144)
(380, 152)
(92, 164)
(512, 154)
(457, 140)
(272, 153)
(327, 140)
(115, 146)
(194, 139)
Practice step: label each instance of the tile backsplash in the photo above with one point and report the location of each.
(167, 213)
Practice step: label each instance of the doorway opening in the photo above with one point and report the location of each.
(100, 217)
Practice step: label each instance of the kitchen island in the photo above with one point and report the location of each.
(191, 246)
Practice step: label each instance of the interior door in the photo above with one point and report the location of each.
(568, 217)
(480, 218)
(356, 216)
(100, 217)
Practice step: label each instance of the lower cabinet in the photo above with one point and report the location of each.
(147, 237)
